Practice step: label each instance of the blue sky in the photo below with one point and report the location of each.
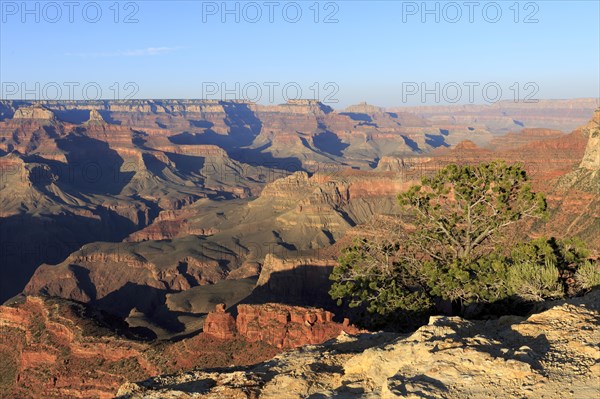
(387, 53)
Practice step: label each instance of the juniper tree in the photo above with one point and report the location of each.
(458, 218)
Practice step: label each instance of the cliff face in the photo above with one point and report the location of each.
(74, 173)
(575, 198)
(34, 112)
(591, 159)
(171, 224)
(281, 326)
(449, 358)
(295, 280)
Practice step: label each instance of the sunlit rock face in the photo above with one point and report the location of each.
(591, 159)
(278, 325)
(34, 112)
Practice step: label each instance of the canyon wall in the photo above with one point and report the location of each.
(282, 326)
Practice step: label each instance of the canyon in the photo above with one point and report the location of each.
(149, 237)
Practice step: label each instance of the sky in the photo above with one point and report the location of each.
(387, 53)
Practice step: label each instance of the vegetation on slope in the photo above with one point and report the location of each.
(459, 249)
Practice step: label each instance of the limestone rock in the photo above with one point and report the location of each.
(34, 112)
(95, 118)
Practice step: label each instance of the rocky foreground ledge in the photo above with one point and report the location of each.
(552, 354)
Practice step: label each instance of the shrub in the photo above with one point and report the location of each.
(588, 275)
(459, 214)
(8, 370)
(481, 281)
(369, 273)
(534, 282)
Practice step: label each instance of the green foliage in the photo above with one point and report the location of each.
(572, 251)
(537, 267)
(476, 281)
(8, 370)
(534, 275)
(460, 215)
(531, 281)
(370, 273)
(455, 251)
(464, 208)
(588, 275)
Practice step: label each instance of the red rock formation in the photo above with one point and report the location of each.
(282, 326)
(466, 145)
(220, 324)
(51, 348)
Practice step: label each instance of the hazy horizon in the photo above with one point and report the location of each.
(335, 107)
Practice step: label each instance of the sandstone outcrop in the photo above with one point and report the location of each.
(278, 325)
(551, 355)
(95, 118)
(219, 323)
